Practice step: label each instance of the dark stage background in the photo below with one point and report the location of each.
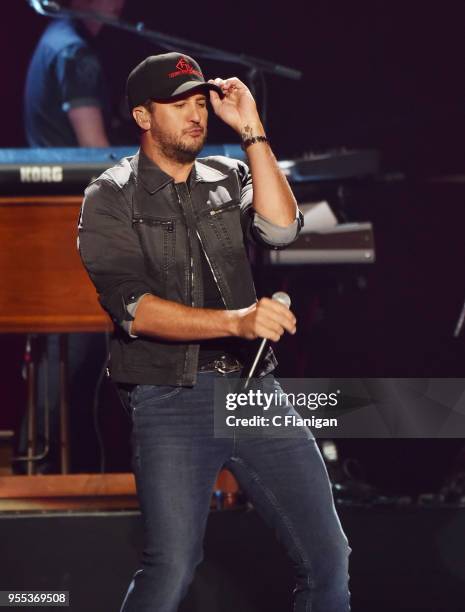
(379, 74)
(376, 73)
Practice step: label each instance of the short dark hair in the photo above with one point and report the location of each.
(148, 104)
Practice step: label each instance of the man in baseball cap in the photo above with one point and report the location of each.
(162, 235)
(172, 82)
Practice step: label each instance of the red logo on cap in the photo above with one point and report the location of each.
(184, 67)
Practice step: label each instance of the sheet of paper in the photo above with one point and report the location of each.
(318, 216)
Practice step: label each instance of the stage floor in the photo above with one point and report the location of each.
(403, 559)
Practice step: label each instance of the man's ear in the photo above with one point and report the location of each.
(142, 117)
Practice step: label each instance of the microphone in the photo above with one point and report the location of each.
(284, 299)
(44, 7)
(51, 6)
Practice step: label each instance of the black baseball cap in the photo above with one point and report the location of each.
(165, 76)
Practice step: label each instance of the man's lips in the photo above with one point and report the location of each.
(195, 132)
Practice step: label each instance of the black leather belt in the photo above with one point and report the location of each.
(223, 365)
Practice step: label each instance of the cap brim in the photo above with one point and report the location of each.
(191, 85)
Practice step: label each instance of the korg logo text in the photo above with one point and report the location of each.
(41, 174)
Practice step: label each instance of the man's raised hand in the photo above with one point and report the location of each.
(237, 109)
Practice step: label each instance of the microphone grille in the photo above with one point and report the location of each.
(282, 297)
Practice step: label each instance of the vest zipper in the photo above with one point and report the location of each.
(192, 271)
(168, 225)
(206, 256)
(211, 268)
(189, 243)
(221, 210)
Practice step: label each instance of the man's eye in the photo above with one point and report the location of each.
(180, 105)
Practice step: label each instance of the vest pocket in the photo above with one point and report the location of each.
(224, 221)
(158, 242)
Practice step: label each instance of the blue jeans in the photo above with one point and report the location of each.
(176, 459)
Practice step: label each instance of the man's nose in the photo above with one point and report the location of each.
(194, 114)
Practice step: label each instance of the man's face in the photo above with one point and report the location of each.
(179, 127)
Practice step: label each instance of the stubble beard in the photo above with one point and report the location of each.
(178, 150)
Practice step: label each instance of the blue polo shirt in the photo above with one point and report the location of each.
(64, 73)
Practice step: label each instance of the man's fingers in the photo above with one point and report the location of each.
(228, 85)
(218, 82)
(271, 319)
(214, 98)
(277, 312)
(269, 330)
(265, 321)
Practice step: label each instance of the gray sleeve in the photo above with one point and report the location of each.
(275, 234)
(131, 310)
(110, 250)
(257, 229)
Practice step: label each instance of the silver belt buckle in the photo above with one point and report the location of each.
(222, 366)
